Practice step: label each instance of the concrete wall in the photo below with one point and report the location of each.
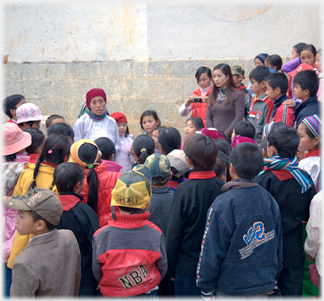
(144, 56)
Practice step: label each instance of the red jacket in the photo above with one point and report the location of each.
(289, 115)
(107, 181)
(199, 108)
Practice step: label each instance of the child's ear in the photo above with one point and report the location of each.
(188, 161)
(316, 141)
(263, 84)
(40, 225)
(271, 151)
(159, 122)
(111, 158)
(278, 90)
(232, 171)
(66, 158)
(307, 93)
(132, 152)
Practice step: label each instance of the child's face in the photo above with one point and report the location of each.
(97, 105)
(299, 93)
(122, 128)
(256, 87)
(237, 80)
(318, 63)
(294, 53)
(36, 125)
(204, 80)
(306, 56)
(149, 124)
(306, 143)
(220, 79)
(267, 64)
(189, 128)
(57, 120)
(155, 135)
(257, 62)
(272, 93)
(233, 135)
(25, 223)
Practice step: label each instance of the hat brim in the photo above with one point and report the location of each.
(16, 203)
(18, 146)
(40, 117)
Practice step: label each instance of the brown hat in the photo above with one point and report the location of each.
(43, 201)
(237, 70)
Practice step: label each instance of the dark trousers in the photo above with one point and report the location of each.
(185, 286)
(7, 273)
(290, 281)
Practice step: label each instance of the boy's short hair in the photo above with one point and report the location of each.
(220, 168)
(66, 175)
(244, 128)
(36, 217)
(60, 129)
(133, 188)
(223, 146)
(11, 102)
(43, 202)
(278, 80)
(201, 150)
(160, 168)
(259, 73)
(307, 80)
(285, 140)
(51, 118)
(247, 159)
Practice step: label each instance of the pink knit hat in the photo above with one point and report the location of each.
(14, 139)
(95, 92)
(29, 112)
(240, 139)
(212, 133)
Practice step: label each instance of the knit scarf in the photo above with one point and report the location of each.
(205, 90)
(222, 93)
(291, 165)
(85, 109)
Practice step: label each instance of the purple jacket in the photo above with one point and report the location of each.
(289, 67)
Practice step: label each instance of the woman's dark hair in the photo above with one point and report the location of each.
(143, 146)
(247, 159)
(149, 113)
(87, 153)
(275, 61)
(311, 48)
(201, 71)
(197, 122)
(66, 175)
(106, 146)
(169, 139)
(285, 139)
(226, 69)
(11, 102)
(300, 47)
(244, 128)
(60, 129)
(38, 139)
(201, 151)
(55, 149)
(220, 168)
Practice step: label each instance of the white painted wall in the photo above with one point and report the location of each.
(138, 31)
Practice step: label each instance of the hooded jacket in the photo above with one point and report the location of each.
(307, 108)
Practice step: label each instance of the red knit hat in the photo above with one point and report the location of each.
(95, 92)
(119, 117)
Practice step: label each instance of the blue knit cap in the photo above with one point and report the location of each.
(262, 57)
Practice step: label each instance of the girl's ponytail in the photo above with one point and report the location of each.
(143, 146)
(86, 153)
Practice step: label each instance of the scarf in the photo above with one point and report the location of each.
(204, 91)
(222, 93)
(291, 165)
(84, 109)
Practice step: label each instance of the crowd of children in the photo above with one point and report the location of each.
(233, 209)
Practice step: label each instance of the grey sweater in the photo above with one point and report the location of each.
(224, 118)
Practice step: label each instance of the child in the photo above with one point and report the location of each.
(50, 265)
(258, 61)
(108, 150)
(277, 86)
(54, 119)
(96, 122)
(238, 76)
(293, 190)
(297, 49)
(243, 234)
(129, 254)
(273, 63)
(79, 218)
(169, 139)
(306, 86)
(38, 139)
(309, 131)
(188, 213)
(261, 107)
(56, 150)
(318, 65)
(243, 128)
(29, 116)
(197, 102)
(124, 158)
(192, 125)
(155, 136)
(149, 122)
(220, 169)
(98, 183)
(15, 142)
(179, 168)
(143, 146)
(10, 105)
